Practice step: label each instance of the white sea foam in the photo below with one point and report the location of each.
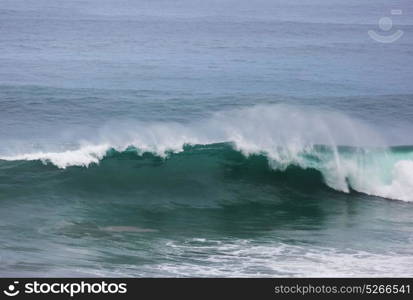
(286, 135)
(244, 258)
(239, 258)
(401, 186)
(83, 156)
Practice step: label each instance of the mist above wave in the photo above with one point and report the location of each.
(286, 135)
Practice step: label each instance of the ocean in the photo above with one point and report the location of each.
(206, 138)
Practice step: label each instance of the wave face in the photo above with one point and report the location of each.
(345, 154)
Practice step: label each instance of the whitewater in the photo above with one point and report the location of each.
(350, 154)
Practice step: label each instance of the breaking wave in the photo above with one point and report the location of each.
(349, 154)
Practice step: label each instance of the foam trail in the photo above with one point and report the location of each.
(286, 135)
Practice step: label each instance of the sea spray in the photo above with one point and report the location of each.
(348, 153)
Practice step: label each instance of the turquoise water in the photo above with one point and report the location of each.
(186, 138)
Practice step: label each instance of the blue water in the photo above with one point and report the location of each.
(205, 138)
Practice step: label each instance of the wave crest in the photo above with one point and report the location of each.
(286, 136)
